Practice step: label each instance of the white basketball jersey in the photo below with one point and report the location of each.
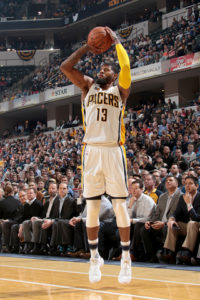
(103, 113)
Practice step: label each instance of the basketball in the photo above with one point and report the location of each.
(99, 39)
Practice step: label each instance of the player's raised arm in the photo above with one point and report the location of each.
(125, 71)
(74, 75)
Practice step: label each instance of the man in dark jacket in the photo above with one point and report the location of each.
(32, 227)
(155, 229)
(52, 227)
(31, 207)
(185, 222)
(9, 204)
(167, 158)
(8, 210)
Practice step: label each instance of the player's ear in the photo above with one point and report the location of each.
(115, 76)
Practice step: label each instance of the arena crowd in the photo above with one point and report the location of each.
(42, 210)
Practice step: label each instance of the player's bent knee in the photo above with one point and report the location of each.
(93, 208)
(121, 212)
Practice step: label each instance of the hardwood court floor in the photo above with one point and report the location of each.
(32, 278)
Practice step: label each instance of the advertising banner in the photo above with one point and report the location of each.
(146, 71)
(3, 107)
(130, 32)
(59, 93)
(182, 62)
(25, 101)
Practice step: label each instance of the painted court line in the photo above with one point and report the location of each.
(105, 275)
(80, 289)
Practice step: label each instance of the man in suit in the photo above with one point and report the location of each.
(8, 210)
(9, 204)
(67, 209)
(32, 227)
(155, 228)
(16, 233)
(184, 222)
(32, 207)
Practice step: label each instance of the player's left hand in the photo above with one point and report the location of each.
(112, 34)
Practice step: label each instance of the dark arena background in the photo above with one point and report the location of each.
(41, 134)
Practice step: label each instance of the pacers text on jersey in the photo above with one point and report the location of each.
(103, 98)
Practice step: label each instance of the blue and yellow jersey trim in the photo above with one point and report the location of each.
(83, 116)
(82, 164)
(124, 160)
(121, 135)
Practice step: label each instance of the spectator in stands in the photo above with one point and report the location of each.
(67, 210)
(8, 205)
(174, 171)
(163, 173)
(180, 159)
(190, 155)
(76, 186)
(32, 207)
(150, 189)
(143, 206)
(171, 52)
(16, 232)
(155, 229)
(136, 168)
(162, 127)
(41, 186)
(167, 158)
(146, 165)
(184, 221)
(159, 185)
(32, 227)
(9, 209)
(159, 163)
(185, 143)
(76, 121)
(197, 112)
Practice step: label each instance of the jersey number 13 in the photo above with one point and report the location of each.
(102, 114)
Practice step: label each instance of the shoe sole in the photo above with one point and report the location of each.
(124, 281)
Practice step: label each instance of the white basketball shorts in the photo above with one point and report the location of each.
(104, 171)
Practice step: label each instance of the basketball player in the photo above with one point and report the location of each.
(104, 158)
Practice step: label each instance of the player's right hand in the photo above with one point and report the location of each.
(94, 50)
